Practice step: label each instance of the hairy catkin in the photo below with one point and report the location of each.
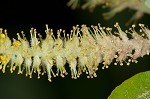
(83, 49)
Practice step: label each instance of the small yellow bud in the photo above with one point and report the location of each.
(2, 36)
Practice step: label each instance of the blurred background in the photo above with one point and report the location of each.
(17, 16)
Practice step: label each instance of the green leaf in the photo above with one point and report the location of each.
(136, 87)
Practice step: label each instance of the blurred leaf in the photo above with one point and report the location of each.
(136, 87)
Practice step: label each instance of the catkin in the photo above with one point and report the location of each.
(83, 49)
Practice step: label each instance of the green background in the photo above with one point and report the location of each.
(21, 16)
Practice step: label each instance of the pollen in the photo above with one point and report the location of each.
(16, 43)
(3, 60)
(2, 36)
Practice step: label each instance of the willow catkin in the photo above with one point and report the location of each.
(83, 49)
